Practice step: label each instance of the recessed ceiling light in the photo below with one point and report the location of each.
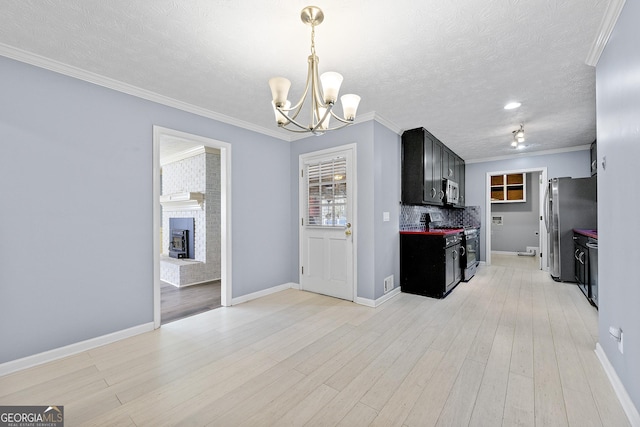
(512, 105)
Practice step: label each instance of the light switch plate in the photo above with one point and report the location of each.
(385, 216)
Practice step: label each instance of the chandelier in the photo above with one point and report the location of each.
(323, 92)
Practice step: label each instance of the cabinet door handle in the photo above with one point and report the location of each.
(455, 254)
(581, 258)
(450, 172)
(441, 195)
(594, 165)
(433, 193)
(462, 251)
(575, 254)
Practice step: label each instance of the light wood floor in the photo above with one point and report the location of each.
(511, 347)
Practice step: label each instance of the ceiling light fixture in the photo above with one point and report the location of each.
(518, 136)
(512, 105)
(323, 98)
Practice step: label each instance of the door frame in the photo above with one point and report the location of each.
(302, 191)
(542, 235)
(160, 133)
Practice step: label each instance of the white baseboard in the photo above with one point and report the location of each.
(618, 387)
(503, 253)
(71, 349)
(263, 293)
(375, 303)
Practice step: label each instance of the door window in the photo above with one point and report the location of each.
(327, 193)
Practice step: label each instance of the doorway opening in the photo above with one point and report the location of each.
(501, 216)
(191, 184)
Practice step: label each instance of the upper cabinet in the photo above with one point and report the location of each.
(508, 188)
(426, 163)
(594, 158)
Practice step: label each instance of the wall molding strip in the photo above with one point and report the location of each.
(624, 398)
(604, 31)
(71, 349)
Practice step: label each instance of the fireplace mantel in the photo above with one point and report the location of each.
(185, 201)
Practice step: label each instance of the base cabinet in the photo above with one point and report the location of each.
(428, 265)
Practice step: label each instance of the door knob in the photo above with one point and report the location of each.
(347, 232)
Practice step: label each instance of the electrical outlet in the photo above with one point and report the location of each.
(388, 284)
(620, 348)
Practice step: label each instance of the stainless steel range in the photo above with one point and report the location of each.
(470, 252)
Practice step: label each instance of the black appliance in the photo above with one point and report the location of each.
(181, 238)
(470, 252)
(178, 247)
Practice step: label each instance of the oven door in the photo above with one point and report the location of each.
(472, 246)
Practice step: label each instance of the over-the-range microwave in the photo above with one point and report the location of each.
(451, 192)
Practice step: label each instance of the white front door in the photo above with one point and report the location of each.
(327, 190)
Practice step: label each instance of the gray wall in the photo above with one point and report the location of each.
(75, 171)
(378, 164)
(575, 164)
(521, 220)
(618, 110)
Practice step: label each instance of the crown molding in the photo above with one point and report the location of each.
(530, 154)
(109, 83)
(604, 31)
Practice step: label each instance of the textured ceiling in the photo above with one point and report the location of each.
(447, 66)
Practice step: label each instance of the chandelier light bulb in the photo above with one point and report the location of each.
(331, 82)
(350, 104)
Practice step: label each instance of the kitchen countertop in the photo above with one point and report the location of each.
(589, 233)
(436, 231)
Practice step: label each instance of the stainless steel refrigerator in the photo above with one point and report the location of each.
(569, 203)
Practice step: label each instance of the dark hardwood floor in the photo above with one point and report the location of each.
(177, 303)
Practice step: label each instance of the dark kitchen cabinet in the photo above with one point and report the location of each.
(430, 264)
(581, 262)
(594, 158)
(421, 168)
(461, 177)
(426, 162)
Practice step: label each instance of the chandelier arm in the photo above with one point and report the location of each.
(340, 119)
(338, 127)
(324, 116)
(291, 120)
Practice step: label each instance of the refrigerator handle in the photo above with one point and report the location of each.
(546, 208)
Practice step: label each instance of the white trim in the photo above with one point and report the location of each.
(376, 303)
(87, 76)
(487, 223)
(530, 154)
(504, 253)
(71, 349)
(625, 400)
(107, 82)
(190, 284)
(607, 25)
(354, 216)
(225, 213)
(264, 293)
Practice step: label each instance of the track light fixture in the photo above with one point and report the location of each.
(518, 136)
